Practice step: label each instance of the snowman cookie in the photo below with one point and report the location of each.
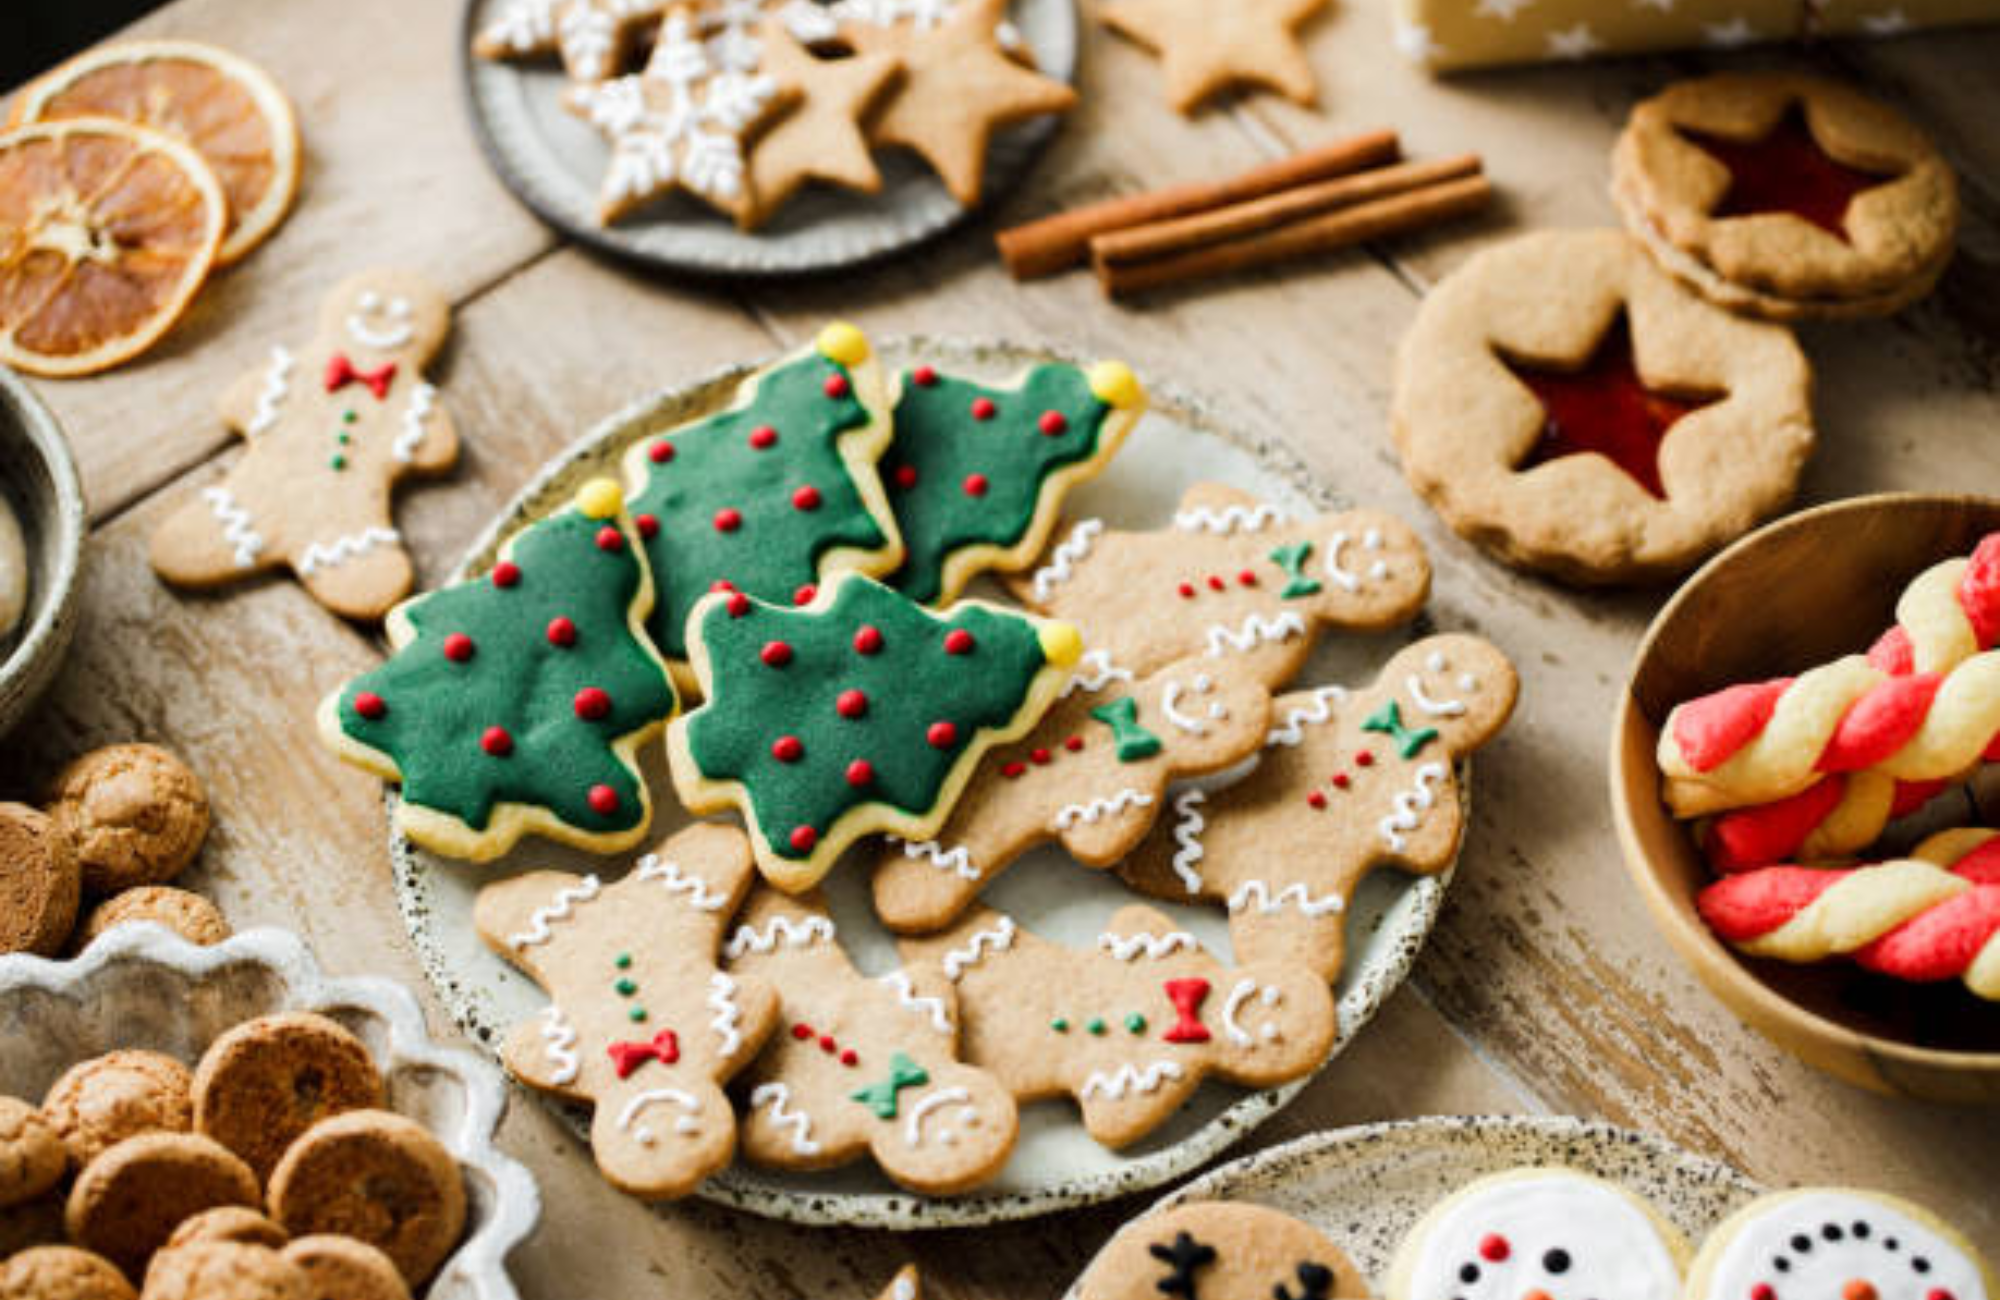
(1553, 1234)
(1830, 1244)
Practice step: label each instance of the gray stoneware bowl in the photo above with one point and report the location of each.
(141, 986)
(38, 480)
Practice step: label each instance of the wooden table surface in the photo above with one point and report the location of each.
(1544, 989)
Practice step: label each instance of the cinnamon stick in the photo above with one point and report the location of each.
(1218, 225)
(1063, 240)
(1338, 229)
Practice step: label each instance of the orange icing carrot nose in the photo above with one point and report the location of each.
(1858, 1290)
(1539, 1294)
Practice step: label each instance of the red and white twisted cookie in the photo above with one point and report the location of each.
(1930, 917)
(1922, 705)
(1834, 817)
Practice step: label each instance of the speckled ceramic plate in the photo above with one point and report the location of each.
(1056, 1165)
(1366, 1187)
(553, 161)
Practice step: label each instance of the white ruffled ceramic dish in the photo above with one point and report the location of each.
(1366, 1187)
(141, 986)
(1056, 1165)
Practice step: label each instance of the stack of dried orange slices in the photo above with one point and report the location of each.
(126, 175)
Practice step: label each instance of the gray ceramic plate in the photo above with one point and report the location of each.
(38, 483)
(1366, 1187)
(1056, 1165)
(553, 162)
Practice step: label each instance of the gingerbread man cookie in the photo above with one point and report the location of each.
(862, 1066)
(1129, 1027)
(1233, 579)
(1348, 782)
(331, 430)
(1832, 1241)
(1217, 1250)
(642, 1023)
(1092, 774)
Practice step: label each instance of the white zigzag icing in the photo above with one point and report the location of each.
(1094, 672)
(277, 387)
(1098, 809)
(561, 909)
(782, 930)
(559, 1039)
(675, 881)
(722, 1001)
(1187, 834)
(1152, 947)
(1114, 1085)
(998, 939)
(329, 555)
(1411, 804)
(1316, 713)
(911, 1000)
(236, 524)
(1255, 893)
(422, 400)
(779, 1098)
(1230, 519)
(1256, 630)
(958, 862)
(1064, 559)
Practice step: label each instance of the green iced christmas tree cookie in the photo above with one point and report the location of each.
(515, 702)
(861, 712)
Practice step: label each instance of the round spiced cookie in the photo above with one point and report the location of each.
(1220, 1251)
(1787, 196)
(135, 814)
(266, 1081)
(32, 1155)
(40, 883)
(128, 1201)
(99, 1103)
(225, 1270)
(188, 915)
(1835, 1242)
(377, 1177)
(237, 1223)
(341, 1268)
(1566, 404)
(62, 1273)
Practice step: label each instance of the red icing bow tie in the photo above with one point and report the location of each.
(340, 372)
(627, 1057)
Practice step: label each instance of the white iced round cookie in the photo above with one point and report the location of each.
(1548, 1234)
(13, 570)
(1831, 1244)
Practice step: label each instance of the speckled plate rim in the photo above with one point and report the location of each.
(479, 1265)
(1546, 1139)
(1022, 146)
(902, 1211)
(55, 541)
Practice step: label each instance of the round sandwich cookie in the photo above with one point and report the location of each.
(1836, 1244)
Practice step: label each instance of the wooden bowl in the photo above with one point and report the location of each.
(38, 479)
(1798, 592)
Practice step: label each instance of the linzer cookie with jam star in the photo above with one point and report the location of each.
(1570, 407)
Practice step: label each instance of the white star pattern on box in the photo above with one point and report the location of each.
(1737, 31)
(1413, 42)
(1502, 9)
(1887, 23)
(1577, 42)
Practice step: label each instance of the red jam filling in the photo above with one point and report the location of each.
(1603, 407)
(1786, 171)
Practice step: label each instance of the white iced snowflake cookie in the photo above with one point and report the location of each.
(1834, 1244)
(1544, 1234)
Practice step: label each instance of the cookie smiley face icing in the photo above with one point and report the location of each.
(1545, 1234)
(1831, 1244)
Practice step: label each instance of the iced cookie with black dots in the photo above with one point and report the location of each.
(1836, 1244)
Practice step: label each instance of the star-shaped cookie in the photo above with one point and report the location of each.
(821, 138)
(1207, 47)
(592, 36)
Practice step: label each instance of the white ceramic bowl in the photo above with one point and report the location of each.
(38, 480)
(141, 986)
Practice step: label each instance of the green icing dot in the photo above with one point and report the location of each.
(1136, 1023)
(1096, 1026)
(1060, 1024)
(626, 988)
(338, 462)
(347, 416)
(623, 961)
(636, 1014)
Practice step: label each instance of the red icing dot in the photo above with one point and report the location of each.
(728, 519)
(1054, 423)
(803, 838)
(610, 539)
(805, 594)
(1763, 1291)
(906, 477)
(722, 584)
(1215, 583)
(1074, 744)
(802, 1032)
(1939, 1293)
(775, 654)
(1316, 799)
(562, 632)
(942, 735)
(868, 640)
(497, 742)
(826, 1044)
(806, 498)
(1040, 757)
(1013, 769)
(849, 1058)
(836, 386)
(860, 773)
(763, 437)
(458, 647)
(975, 485)
(924, 376)
(1340, 780)
(1187, 590)
(1247, 578)
(592, 703)
(852, 704)
(661, 452)
(738, 604)
(649, 526)
(506, 573)
(1493, 1248)
(983, 408)
(958, 641)
(788, 749)
(1364, 759)
(603, 800)
(370, 705)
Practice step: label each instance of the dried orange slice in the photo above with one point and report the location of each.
(228, 108)
(106, 232)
